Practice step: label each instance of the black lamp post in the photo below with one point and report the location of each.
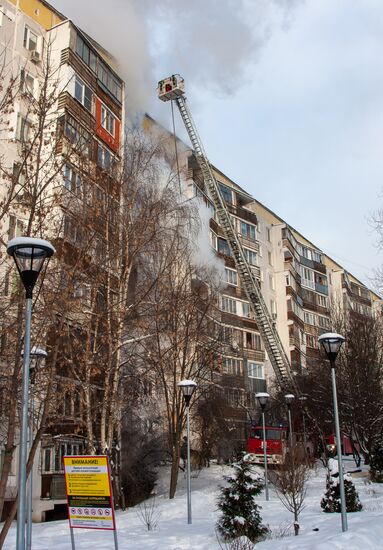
(188, 388)
(263, 398)
(29, 255)
(332, 343)
(289, 398)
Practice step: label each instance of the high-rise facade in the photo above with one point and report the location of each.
(65, 116)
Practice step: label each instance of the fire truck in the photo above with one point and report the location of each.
(276, 444)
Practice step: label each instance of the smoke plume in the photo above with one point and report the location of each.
(212, 43)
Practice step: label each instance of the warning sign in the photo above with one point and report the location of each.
(89, 495)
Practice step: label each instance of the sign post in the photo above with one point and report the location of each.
(89, 494)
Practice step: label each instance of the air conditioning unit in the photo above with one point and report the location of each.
(35, 56)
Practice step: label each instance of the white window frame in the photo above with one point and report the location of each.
(27, 83)
(250, 230)
(102, 154)
(251, 256)
(229, 305)
(23, 128)
(71, 180)
(28, 39)
(232, 365)
(81, 93)
(255, 370)
(310, 318)
(108, 120)
(231, 276)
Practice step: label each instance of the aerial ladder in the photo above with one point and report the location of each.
(173, 88)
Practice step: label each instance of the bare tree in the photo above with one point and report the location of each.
(290, 483)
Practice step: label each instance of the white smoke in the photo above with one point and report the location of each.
(204, 255)
(212, 43)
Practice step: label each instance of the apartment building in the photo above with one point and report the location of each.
(298, 281)
(81, 149)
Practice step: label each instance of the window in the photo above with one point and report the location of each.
(231, 276)
(86, 54)
(47, 460)
(27, 83)
(107, 120)
(308, 279)
(232, 365)
(250, 256)
(70, 229)
(16, 227)
(226, 193)
(109, 81)
(310, 318)
(106, 78)
(105, 159)
(270, 257)
(255, 370)
(271, 282)
(78, 136)
(72, 181)
(23, 128)
(324, 322)
(83, 93)
(253, 341)
(30, 39)
(228, 304)
(234, 397)
(223, 247)
(247, 230)
(268, 234)
(18, 174)
(311, 341)
(247, 311)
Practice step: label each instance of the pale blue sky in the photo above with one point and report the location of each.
(287, 96)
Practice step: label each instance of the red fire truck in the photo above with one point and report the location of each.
(348, 446)
(275, 444)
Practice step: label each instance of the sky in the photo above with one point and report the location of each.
(287, 96)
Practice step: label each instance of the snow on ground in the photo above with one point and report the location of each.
(365, 528)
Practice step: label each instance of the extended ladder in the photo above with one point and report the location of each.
(173, 89)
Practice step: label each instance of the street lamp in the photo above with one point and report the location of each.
(332, 343)
(303, 399)
(289, 398)
(188, 387)
(262, 400)
(37, 354)
(29, 255)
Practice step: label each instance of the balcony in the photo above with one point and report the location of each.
(249, 243)
(53, 486)
(254, 354)
(256, 385)
(312, 264)
(323, 289)
(242, 213)
(70, 104)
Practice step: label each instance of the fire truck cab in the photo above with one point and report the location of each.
(275, 444)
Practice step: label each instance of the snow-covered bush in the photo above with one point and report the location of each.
(331, 501)
(240, 513)
(376, 463)
(242, 543)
